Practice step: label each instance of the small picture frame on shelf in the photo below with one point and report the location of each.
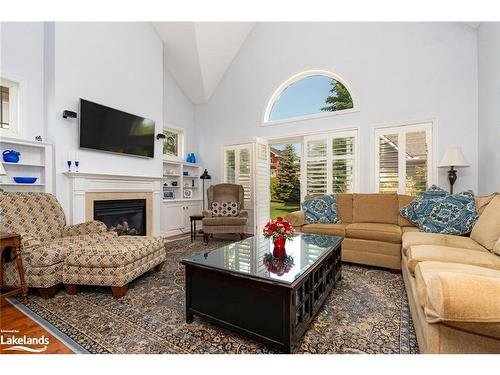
(168, 194)
(188, 193)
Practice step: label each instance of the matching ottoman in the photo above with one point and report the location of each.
(114, 261)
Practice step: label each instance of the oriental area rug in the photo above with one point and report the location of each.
(367, 313)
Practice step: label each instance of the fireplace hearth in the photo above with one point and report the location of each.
(124, 216)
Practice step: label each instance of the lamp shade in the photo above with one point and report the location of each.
(205, 176)
(2, 170)
(453, 157)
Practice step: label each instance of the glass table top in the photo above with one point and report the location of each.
(253, 257)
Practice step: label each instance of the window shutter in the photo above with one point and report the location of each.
(316, 166)
(343, 164)
(245, 176)
(403, 159)
(229, 166)
(388, 163)
(416, 163)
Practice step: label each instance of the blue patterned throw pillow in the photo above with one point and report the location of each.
(452, 214)
(321, 210)
(431, 193)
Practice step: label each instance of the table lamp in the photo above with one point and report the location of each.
(203, 177)
(453, 157)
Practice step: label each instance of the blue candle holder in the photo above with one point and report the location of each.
(77, 163)
(69, 165)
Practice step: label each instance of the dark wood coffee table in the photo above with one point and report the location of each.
(232, 287)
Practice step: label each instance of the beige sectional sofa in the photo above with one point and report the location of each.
(452, 282)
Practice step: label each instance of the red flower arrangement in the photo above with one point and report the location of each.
(279, 230)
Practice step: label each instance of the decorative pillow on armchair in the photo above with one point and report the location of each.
(431, 193)
(453, 214)
(321, 210)
(225, 209)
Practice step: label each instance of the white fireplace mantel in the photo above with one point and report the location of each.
(83, 183)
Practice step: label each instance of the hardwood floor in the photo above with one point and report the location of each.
(12, 319)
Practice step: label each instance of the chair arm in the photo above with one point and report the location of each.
(454, 297)
(296, 218)
(89, 227)
(243, 213)
(207, 213)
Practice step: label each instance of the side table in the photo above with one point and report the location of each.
(7, 241)
(193, 219)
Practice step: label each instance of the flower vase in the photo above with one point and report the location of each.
(279, 247)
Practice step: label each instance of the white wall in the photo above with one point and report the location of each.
(489, 107)
(400, 72)
(21, 60)
(116, 64)
(178, 111)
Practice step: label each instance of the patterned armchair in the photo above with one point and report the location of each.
(50, 249)
(232, 224)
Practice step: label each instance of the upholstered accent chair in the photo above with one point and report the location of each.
(81, 254)
(227, 224)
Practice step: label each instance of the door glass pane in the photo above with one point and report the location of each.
(416, 163)
(388, 163)
(343, 165)
(229, 173)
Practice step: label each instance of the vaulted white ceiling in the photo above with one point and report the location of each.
(198, 54)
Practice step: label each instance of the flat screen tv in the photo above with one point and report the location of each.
(107, 129)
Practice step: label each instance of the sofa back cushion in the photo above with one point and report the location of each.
(404, 200)
(344, 207)
(486, 231)
(38, 215)
(375, 208)
(483, 201)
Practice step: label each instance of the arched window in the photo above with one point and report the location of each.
(309, 94)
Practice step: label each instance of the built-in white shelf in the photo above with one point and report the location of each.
(21, 184)
(35, 160)
(23, 164)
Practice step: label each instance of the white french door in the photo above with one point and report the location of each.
(262, 190)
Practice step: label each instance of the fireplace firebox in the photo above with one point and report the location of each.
(124, 216)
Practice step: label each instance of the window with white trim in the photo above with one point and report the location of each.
(403, 159)
(330, 163)
(9, 106)
(307, 94)
(238, 168)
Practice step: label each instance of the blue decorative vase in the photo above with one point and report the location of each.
(11, 156)
(188, 159)
(193, 158)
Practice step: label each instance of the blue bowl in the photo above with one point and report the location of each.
(25, 180)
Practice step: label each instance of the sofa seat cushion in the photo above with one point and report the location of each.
(468, 302)
(374, 231)
(112, 251)
(409, 229)
(425, 270)
(224, 221)
(424, 253)
(330, 229)
(421, 238)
